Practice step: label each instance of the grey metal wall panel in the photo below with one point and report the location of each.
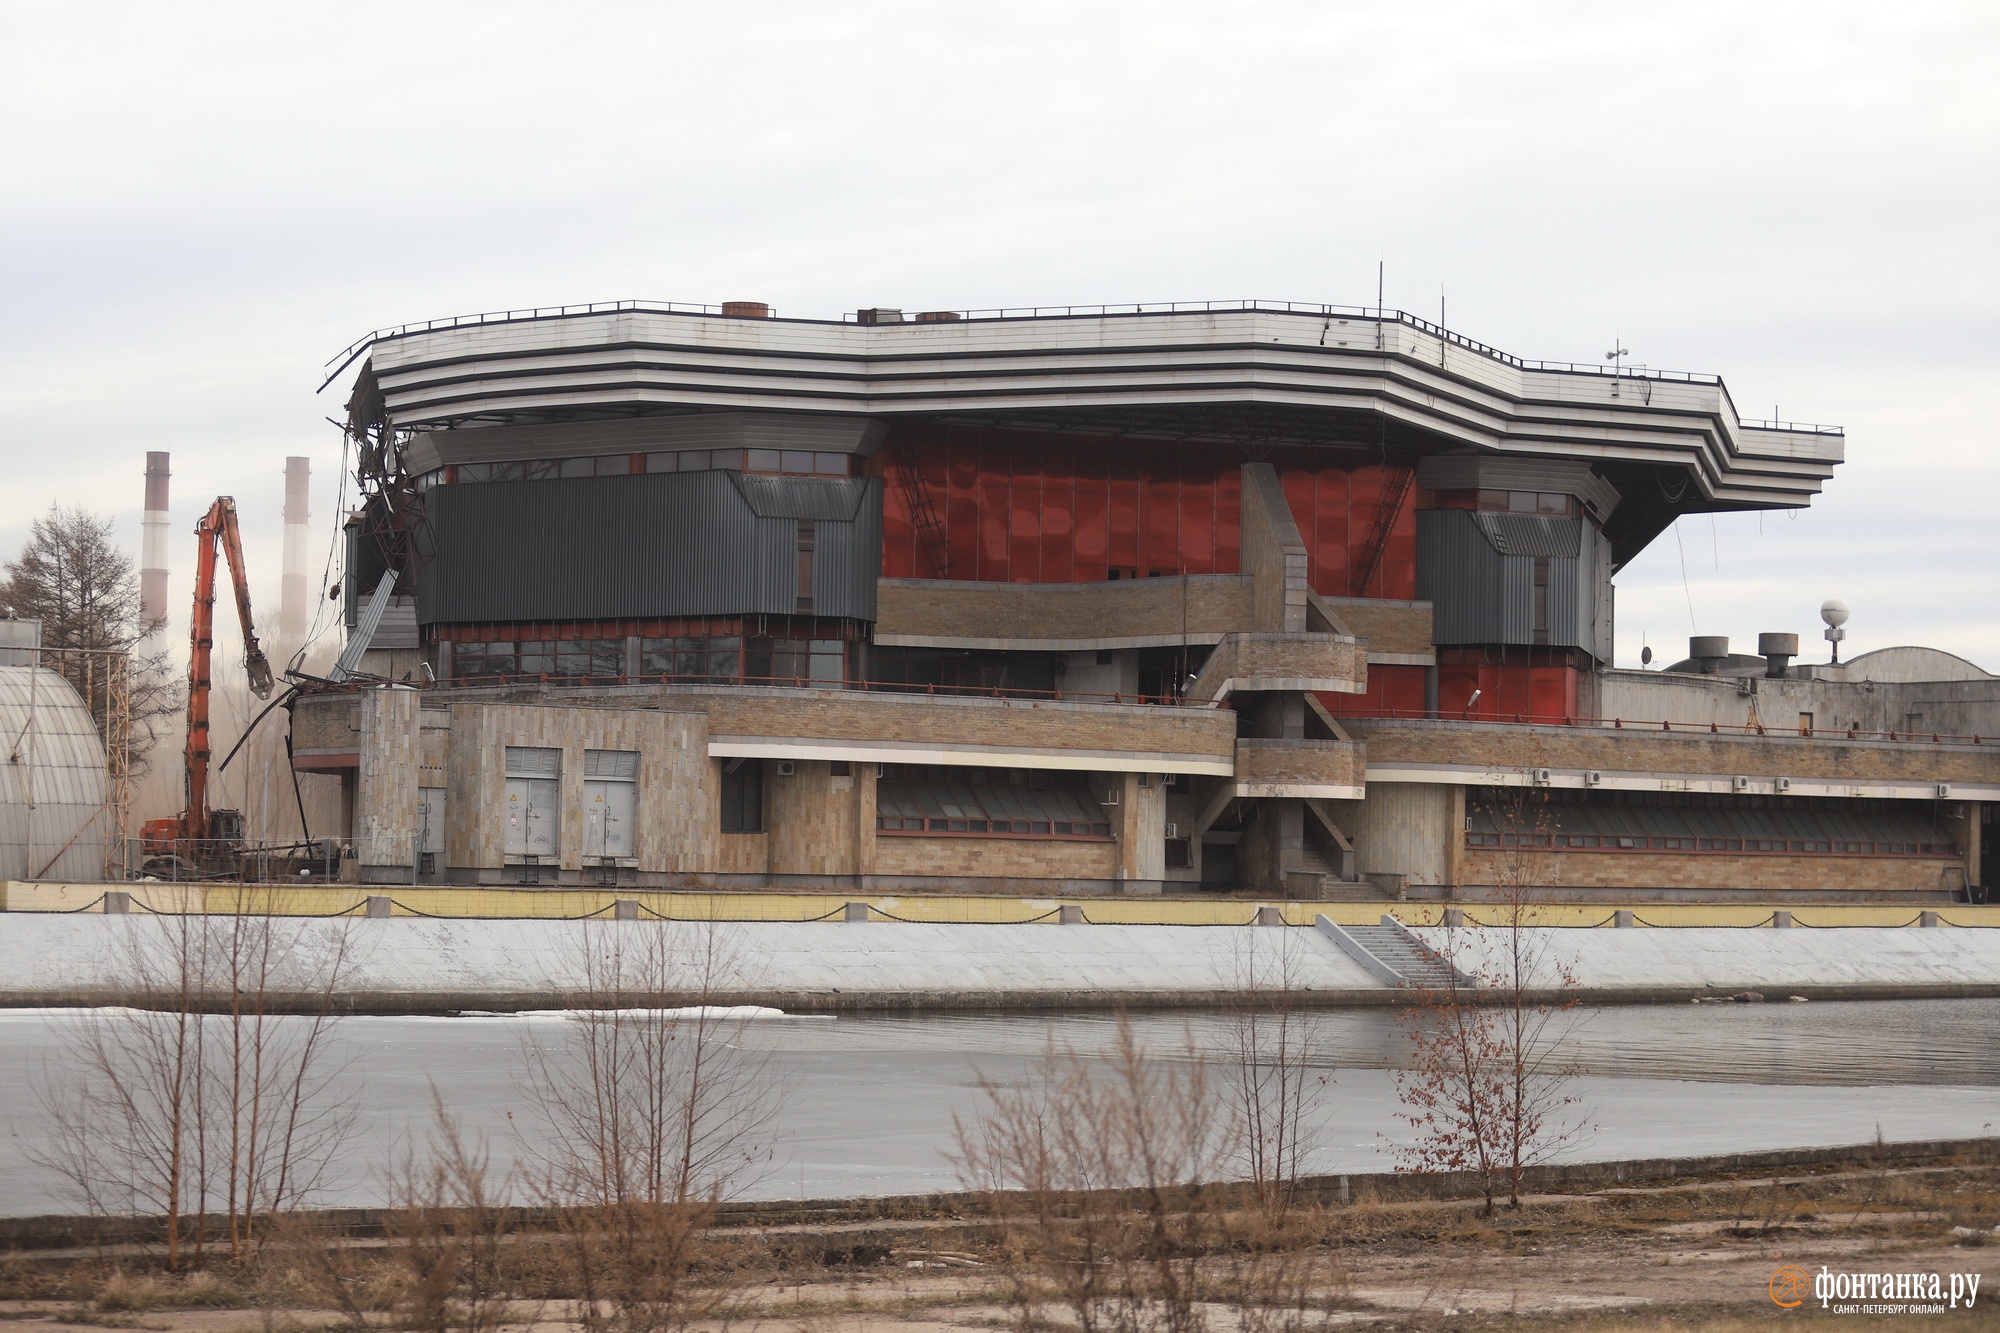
(663, 544)
(848, 561)
(1567, 626)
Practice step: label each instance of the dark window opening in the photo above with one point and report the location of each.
(939, 800)
(743, 797)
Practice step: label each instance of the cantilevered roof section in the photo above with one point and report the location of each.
(1267, 371)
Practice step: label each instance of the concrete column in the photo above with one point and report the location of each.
(1140, 822)
(117, 902)
(385, 808)
(1927, 919)
(1622, 919)
(855, 912)
(1781, 920)
(378, 907)
(625, 909)
(1069, 914)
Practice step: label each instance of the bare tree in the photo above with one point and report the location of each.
(1490, 1087)
(1275, 1072)
(653, 1113)
(200, 1103)
(72, 578)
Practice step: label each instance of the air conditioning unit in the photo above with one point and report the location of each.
(1173, 830)
(1593, 778)
(1543, 777)
(1943, 790)
(1782, 784)
(1740, 783)
(786, 768)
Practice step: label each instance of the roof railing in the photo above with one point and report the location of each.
(1768, 731)
(1316, 310)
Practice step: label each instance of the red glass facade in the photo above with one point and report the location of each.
(1033, 507)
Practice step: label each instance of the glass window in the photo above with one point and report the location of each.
(830, 465)
(576, 467)
(663, 462)
(1554, 502)
(537, 657)
(1523, 502)
(795, 460)
(476, 661)
(828, 662)
(763, 460)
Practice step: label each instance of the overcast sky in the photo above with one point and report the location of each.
(201, 203)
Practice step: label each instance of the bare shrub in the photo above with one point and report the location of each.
(652, 1113)
(449, 1229)
(1097, 1169)
(199, 1103)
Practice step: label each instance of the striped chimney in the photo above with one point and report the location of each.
(295, 603)
(153, 543)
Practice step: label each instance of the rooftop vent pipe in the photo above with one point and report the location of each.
(1777, 650)
(1711, 650)
(746, 309)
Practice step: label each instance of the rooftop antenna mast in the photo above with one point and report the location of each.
(1616, 356)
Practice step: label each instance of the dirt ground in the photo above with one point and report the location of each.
(1698, 1255)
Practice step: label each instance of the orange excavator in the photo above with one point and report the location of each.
(199, 837)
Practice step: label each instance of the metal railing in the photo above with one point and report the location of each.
(224, 861)
(1317, 310)
(1795, 427)
(1687, 728)
(936, 690)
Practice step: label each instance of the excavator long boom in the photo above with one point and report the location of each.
(217, 528)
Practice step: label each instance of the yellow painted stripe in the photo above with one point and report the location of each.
(696, 905)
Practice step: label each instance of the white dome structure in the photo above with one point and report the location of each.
(54, 823)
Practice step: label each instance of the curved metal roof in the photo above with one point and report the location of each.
(53, 786)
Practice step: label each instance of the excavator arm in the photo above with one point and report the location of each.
(216, 529)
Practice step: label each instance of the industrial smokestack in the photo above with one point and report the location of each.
(294, 602)
(153, 543)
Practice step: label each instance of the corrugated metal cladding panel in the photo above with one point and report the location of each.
(60, 770)
(399, 625)
(847, 561)
(689, 430)
(1462, 576)
(1478, 572)
(662, 544)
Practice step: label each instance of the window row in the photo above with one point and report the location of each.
(711, 660)
(1000, 828)
(1792, 846)
(791, 462)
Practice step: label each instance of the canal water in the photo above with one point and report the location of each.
(867, 1105)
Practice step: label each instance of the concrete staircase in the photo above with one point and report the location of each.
(1405, 955)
